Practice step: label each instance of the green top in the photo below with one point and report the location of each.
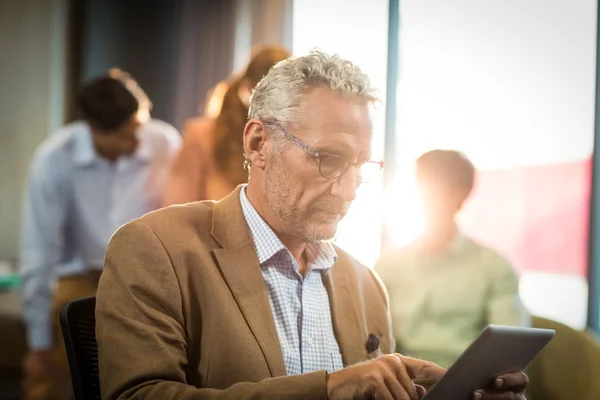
(439, 304)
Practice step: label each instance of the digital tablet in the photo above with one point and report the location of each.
(498, 350)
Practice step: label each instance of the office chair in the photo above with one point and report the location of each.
(568, 367)
(78, 325)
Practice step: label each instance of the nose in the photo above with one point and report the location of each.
(345, 186)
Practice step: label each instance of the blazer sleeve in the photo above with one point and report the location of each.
(141, 335)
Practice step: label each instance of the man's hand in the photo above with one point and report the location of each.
(38, 363)
(506, 387)
(388, 377)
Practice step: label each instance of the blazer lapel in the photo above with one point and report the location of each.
(239, 265)
(348, 326)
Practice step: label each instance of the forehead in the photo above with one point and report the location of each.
(333, 119)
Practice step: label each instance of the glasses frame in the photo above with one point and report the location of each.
(320, 154)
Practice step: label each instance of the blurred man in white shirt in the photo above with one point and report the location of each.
(85, 181)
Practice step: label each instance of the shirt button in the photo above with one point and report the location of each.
(309, 341)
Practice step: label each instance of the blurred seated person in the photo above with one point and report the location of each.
(445, 288)
(86, 180)
(246, 298)
(210, 162)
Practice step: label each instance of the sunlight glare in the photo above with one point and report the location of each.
(403, 214)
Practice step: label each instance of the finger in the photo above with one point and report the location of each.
(514, 381)
(420, 391)
(402, 376)
(421, 369)
(490, 394)
(396, 389)
(382, 393)
(425, 382)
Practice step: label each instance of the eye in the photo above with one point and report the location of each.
(332, 166)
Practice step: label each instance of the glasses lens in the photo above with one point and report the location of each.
(368, 171)
(332, 166)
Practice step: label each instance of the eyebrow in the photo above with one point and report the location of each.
(333, 148)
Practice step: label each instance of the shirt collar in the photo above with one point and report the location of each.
(144, 150)
(320, 255)
(85, 152)
(86, 155)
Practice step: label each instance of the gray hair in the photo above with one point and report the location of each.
(280, 92)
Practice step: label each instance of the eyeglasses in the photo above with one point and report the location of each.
(332, 166)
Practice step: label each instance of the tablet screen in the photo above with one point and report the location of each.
(498, 350)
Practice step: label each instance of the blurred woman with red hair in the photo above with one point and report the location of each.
(210, 162)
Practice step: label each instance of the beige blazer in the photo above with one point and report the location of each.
(182, 311)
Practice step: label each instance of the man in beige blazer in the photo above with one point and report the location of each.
(245, 298)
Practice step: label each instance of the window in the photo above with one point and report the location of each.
(357, 32)
(511, 84)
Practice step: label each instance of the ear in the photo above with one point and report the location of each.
(255, 136)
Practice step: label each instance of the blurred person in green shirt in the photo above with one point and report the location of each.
(444, 287)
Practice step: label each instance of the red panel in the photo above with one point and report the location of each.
(536, 216)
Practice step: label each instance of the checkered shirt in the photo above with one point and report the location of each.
(300, 305)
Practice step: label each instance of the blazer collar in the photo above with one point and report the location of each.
(229, 227)
(349, 324)
(239, 264)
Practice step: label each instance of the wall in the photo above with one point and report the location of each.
(32, 44)
(141, 40)
(511, 84)
(176, 49)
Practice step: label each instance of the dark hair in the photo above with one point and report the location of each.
(111, 100)
(229, 125)
(447, 166)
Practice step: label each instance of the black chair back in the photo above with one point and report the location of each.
(78, 324)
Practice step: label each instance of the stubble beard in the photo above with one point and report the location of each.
(294, 220)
